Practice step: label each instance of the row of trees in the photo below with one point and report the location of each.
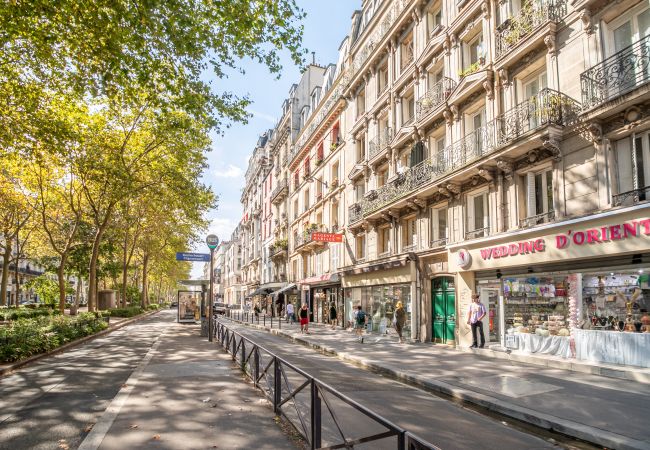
(104, 122)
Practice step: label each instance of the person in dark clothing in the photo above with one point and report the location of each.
(304, 319)
(333, 316)
(400, 320)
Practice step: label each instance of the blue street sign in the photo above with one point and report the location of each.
(195, 257)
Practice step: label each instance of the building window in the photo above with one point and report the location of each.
(296, 209)
(382, 78)
(382, 177)
(334, 219)
(304, 115)
(306, 200)
(539, 193)
(434, 19)
(361, 103)
(334, 256)
(360, 247)
(409, 234)
(408, 109)
(406, 51)
(473, 55)
(475, 133)
(417, 154)
(633, 169)
(384, 241)
(319, 263)
(478, 215)
(361, 150)
(359, 190)
(334, 174)
(439, 231)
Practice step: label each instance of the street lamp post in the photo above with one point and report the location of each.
(213, 241)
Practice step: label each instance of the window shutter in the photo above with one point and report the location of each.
(623, 151)
(470, 214)
(530, 195)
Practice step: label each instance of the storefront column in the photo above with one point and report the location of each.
(465, 286)
(415, 302)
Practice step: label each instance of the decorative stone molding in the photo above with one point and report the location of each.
(532, 156)
(553, 146)
(504, 78)
(443, 191)
(485, 9)
(486, 174)
(455, 111)
(489, 89)
(446, 45)
(587, 24)
(449, 116)
(455, 189)
(549, 40)
(506, 166)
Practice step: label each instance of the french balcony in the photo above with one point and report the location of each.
(305, 241)
(435, 96)
(632, 197)
(532, 17)
(280, 192)
(380, 143)
(537, 219)
(278, 251)
(355, 213)
(477, 233)
(617, 75)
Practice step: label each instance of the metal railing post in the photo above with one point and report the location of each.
(263, 320)
(243, 355)
(234, 347)
(277, 385)
(256, 365)
(315, 416)
(401, 441)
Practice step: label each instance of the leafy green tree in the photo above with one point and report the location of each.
(47, 288)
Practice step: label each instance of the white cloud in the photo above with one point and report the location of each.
(264, 116)
(230, 171)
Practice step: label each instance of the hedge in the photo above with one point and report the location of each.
(26, 313)
(126, 312)
(27, 337)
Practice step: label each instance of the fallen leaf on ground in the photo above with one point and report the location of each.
(156, 437)
(133, 426)
(63, 444)
(206, 400)
(89, 427)
(124, 385)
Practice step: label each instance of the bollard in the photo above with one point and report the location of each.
(263, 320)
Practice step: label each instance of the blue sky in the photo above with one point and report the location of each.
(326, 24)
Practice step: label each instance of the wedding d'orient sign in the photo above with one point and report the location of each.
(590, 236)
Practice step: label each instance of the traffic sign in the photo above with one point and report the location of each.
(212, 240)
(194, 257)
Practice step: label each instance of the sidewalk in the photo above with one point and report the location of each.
(186, 394)
(605, 411)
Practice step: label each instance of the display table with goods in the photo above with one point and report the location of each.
(615, 326)
(536, 311)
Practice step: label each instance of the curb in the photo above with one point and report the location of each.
(18, 364)
(536, 418)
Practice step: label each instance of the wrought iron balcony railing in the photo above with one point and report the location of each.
(479, 232)
(534, 14)
(548, 107)
(380, 142)
(438, 243)
(619, 74)
(632, 197)
(280, 190)
(537, 219)
(435, 96)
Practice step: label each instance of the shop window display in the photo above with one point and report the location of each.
(616, 302)
(536, 305)
(379, 303)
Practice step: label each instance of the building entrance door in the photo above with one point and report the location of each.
(443, 295)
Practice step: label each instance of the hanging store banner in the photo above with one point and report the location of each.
(326, 237)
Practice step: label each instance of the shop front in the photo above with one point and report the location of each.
(320, 293)
(378, 290)
(576, 289)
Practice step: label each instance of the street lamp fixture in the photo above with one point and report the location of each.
(323, 183)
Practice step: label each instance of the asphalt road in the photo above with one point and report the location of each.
(437, 420)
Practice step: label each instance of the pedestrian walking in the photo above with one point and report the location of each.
(399, 320)
(290, 312)
(474, 318)
(257, 310)
(333, 316)
(360, 319)
(304, 319)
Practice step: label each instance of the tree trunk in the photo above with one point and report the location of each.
(5, 276)
(77, 295)
(17, 263)
(61, 278)
(145, 284)
(92, 277)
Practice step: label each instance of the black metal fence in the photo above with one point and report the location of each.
(256, 318)
(325, 417)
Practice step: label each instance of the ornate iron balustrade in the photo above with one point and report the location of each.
(405, 183)
(380, 142)
(537, 219)
(283, 186)
(438, 243)
(531, 16)
(471, 147)
(631, 197)
(619, 74)
(548, 107)
(479, 232)
(435, 96)
(355, 213)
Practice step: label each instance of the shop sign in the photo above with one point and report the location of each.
(463, 258)
(602, 235)
(518, 248)
(326, 237)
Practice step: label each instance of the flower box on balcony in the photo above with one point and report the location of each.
(334, 145)
(475, 67)
(319, 162)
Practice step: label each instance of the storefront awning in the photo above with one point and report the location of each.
(327, 278)
(260, 291)
(288, 287)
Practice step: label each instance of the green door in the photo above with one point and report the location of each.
(443, 295)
